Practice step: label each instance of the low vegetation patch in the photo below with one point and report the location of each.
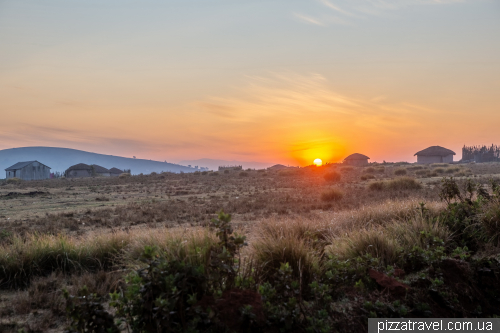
(332, 195)
(398, 184)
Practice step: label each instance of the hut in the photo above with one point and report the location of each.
(435, 154)
(115, 172)
(356, 160)
(277, 167)
(100, 171)
(30, 170)
(79, 170)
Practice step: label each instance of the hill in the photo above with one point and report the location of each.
(59, 159)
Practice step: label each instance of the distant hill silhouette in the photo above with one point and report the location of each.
(59, 159)
(214, 164)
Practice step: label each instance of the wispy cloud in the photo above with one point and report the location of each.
(308, 19)
(348, 11)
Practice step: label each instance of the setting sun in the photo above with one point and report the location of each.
(318, 162)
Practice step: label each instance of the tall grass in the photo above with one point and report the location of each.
(294, 239)
(23, 258)
(387, 242)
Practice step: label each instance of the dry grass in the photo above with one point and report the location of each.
(397, 184)
(37, 255)
(332, 195)
(387, 241)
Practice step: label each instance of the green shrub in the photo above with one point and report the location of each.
(332, 195)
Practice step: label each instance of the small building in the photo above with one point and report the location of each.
(115, 172)
(78, 170)
(356, 160)
(31, 170)
(435, 154)
(277, 167)
(100, 171)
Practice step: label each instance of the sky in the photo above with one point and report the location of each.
(281, 81)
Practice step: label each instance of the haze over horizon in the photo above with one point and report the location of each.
(264, 81)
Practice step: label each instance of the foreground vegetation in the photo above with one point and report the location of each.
(320, 271)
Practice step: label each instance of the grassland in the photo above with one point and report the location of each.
(67, 233)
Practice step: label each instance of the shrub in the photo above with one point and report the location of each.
(14, 180)
(204, 173)
(367, 176)
(403, 183)
(438, 170)
(376, 186)
(333, 176)
(332, 195)
(422, 172)
(400, 172)
(226, 171)
(415, 167)
(215, 173)
(124, 175)
(243, 174)
(380, 169)
(370, 170)
(347, 169)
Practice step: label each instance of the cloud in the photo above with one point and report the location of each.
(360, 9)
(308, 19)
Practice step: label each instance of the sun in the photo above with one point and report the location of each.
(318, 162)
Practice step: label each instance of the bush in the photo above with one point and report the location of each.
(124, 175)
(226, 171)
(332, 195)
(347, 169)
(243, 174)
(400, 172)
(215, 173)
(333, 176)
(438, 170)
(398, 184)
(422, 172)
(14, 180)
(370, 170)
(376, 186)
(367, 176)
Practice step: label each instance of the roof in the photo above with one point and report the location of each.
(20, 165)
(356, 156)
(100, 169)
(435, 151)
(277, 167)
(80, 166)
(115, 170)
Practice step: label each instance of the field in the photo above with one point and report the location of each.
(337, 235)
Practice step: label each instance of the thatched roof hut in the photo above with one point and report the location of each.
(356, 159)
(435, 154)
(101, 171)
(79, 170)
(115, 172)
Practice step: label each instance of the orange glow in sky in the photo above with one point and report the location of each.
(268, 81)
